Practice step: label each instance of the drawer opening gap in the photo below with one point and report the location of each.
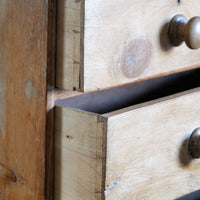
(113, 99)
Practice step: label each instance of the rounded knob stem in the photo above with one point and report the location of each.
(180, 30)
(194, 143)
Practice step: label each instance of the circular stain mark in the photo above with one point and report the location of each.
(136, 57)
(29, 90)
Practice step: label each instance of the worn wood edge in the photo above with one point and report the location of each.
(100, 182)
(104, 156)
(59, 94)
(82, 40)
(144, 79)
(148, 103)
(79, 110)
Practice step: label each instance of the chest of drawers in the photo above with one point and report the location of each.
(139, 152)
(128, 134)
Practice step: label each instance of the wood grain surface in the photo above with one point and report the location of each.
(68, 44)
(23, 83)
(147, 149)
(139, 152)
(102, 44)
(79, 155)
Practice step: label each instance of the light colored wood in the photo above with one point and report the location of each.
(147, 153)
(122, 42)
(145, 148)
(78, 155)
(58, 94)
(68, 44)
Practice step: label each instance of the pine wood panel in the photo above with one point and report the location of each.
(142, 151)
(102, 44)
(147, 150)
(25, 53)
(79, 156)
(68, 44)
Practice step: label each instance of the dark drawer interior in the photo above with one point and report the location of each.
(120, 97)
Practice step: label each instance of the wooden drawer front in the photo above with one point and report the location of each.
(138, 152)
(121, 42)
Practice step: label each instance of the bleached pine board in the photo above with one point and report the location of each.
(103, 43)
(147, 149)
(79, 138)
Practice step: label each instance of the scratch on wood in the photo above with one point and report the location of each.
(2, 90)
(76, 31)
(113, 184)
(3, 13)
(2, 131)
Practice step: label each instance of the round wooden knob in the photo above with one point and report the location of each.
(194, 143)
(180, 30)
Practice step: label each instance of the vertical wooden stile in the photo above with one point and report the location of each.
(26, 51)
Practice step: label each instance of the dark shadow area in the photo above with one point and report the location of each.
(60, 34)
(60, 10)
(192, 196)
(164, 40)
(184, 155)
(120, 97)
(179, 2)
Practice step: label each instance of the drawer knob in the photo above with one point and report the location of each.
(194, 143)
(180, 29)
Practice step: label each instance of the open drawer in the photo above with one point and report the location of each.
(138, 152)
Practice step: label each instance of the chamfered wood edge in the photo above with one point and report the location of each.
(104, 156)
(82, 40)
